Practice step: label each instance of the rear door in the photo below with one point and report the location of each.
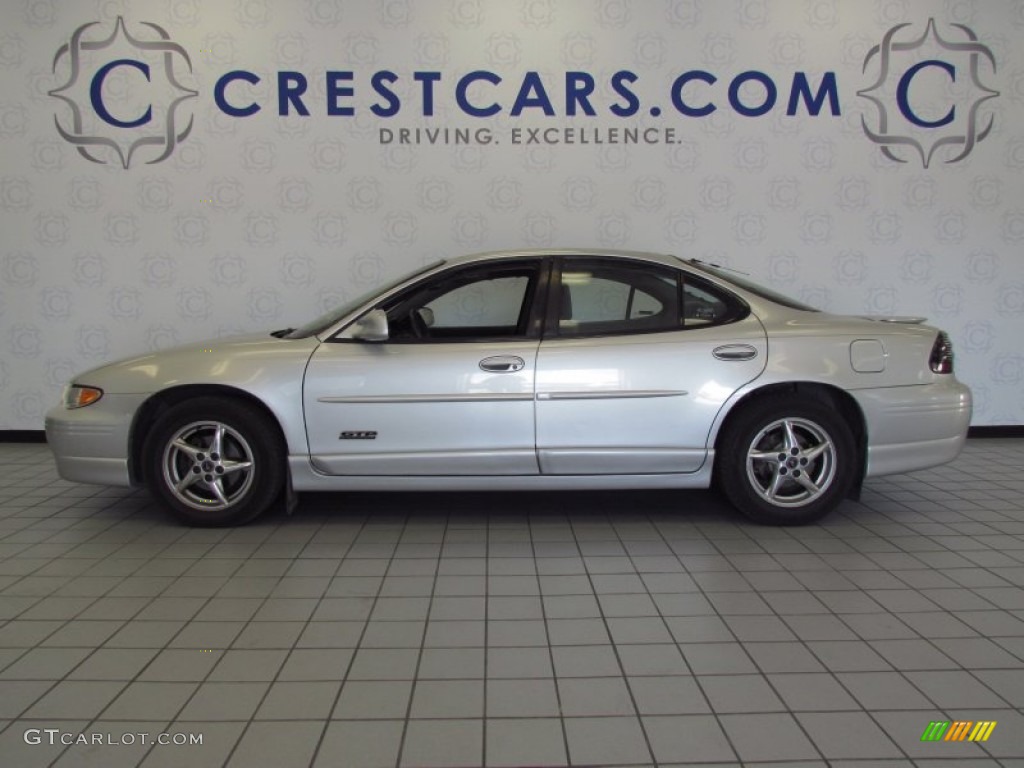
(636, 361)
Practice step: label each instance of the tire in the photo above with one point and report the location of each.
(786, 460)
(206, 487)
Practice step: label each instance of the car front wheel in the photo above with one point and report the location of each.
(215, 461)
(785, 461)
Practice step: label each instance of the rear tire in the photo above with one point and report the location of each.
(786, 460)
(214, 461)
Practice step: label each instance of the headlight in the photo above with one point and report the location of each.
(78, 396)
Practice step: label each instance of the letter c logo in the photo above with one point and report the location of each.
(96, 94)
(903, 94)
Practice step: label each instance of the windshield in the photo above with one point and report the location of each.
(329, 318)
(739, 279)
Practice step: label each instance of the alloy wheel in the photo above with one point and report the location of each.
(208, 465)
(791, 462)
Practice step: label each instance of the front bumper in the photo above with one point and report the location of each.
(916, 427)
(91, 444)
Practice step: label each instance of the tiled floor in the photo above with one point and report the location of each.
(625, 629)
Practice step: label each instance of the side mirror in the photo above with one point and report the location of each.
(373, 326)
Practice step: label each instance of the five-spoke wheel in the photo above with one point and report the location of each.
(784, 460)
(791, 462)
(208, 465)
(215, 461)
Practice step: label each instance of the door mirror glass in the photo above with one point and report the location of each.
(373, 326)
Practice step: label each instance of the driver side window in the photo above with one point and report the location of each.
(494, 303)
(471, 304)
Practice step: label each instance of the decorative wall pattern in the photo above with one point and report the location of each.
(224, 223)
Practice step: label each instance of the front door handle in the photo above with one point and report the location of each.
(502, 364)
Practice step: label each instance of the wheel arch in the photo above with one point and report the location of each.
(842, 401)
(158, 403)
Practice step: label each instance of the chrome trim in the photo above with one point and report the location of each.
(482, 397)
(730, 352)
(502, 364)
(612, 394)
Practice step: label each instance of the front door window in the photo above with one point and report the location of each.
(469, 305)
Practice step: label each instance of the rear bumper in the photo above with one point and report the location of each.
(91, 444)
(917, 427)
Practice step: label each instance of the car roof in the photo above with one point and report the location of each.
(661, 258)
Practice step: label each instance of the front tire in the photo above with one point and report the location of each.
(215, 461)
(787, 461)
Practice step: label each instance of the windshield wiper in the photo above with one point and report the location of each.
(282, 333)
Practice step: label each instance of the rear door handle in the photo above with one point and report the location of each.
(734, 352)
(502, 364)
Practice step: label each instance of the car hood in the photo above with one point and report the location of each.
(231, 361)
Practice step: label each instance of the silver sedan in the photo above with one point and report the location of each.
(528, 370)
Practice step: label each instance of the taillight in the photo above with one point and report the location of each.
(941, 360)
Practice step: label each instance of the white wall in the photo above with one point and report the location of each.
(261, 222)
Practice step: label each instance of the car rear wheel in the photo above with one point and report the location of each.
(215, 461)
(787, 461)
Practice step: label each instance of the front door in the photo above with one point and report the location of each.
(450, 392)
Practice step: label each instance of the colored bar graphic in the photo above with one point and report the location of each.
(983, 730)
(958, 730)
